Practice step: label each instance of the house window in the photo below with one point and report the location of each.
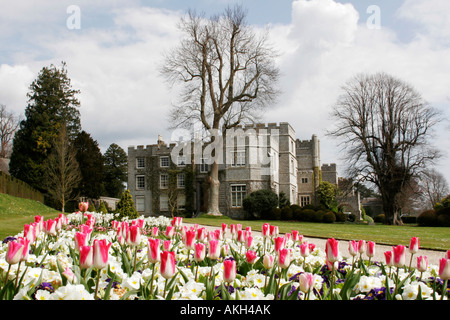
(140, 204)
(181, 161)
(180, 180)
(140, 162)
(164, 181)
(238, 159)
(304, 180)
(181, 201)
(305, 200)
(204, 167)
(164, 162)
(140, 182)
(238, 193)
(164, 203)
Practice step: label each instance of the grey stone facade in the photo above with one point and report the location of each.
(254, 157)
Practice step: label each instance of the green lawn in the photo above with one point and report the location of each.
(430, 238)
(16, 212)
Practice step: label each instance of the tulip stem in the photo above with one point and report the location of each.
(151, 281)
(18, 270)
(444, 289)
(165, 288)
(410, 261)
(96, 285)
(7, 274)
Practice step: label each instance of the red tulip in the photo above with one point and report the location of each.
(370, 249)
(399, 256)
(444, 269)
(284, 258)
(189, 239)
(101, 248)
(153, 250)
(251, 256)
(353, 248)
(422, 263)
(266, 230)
(134, 236)
(86, 257)
(213, 249)
(199, 252)
(414, 245)
(389, 258)
(15, 252)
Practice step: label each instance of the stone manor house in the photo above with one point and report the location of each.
(161, 184)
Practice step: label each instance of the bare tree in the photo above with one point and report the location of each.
(384, 126)
(433, 188)
(227, 76)
(62, 172)
(9, 124)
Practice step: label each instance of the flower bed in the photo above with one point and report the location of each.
(86, 256)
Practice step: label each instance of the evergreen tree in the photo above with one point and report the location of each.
(115, 170)
(125, 207)
(52, 103)
(90, 159)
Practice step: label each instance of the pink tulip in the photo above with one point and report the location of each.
(280, 243)
(248, 242)
(229, 270)
(170, 230)
(241, 236)
(29, 231)
(189, 239)
(101, 248)
(266, 230)
(306, 281)
(274, 231)
(311, 247)
(414, 245)
(81, 239)
(26, 248)
(370, 249)
(268, 261)
(201, 234)
(389, 258)
(14, 253)
(353, 248)
(68, 273)
(177, 222)
(251, 256)
(361, 246)
(166, 245)
(422, 263)
(444, 269)
(284, 258)
(167, 264)
(233, 231)
(86, 257)
(448, 254)
(224, 229)
(213, 249)
(304, 249)
(155, 232)
(399, 256)
(134, 236)
(83, 206)
(50, 227)
(295, 236)
(153, 250)
(199, 252)
(332, 250)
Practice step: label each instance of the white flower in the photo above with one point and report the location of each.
(367, 283)
(43, 295)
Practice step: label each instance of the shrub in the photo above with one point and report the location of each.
(427, 218)
(308, 215)
(341, 217)
(296, 212)
(380, 218)
(260, 203)
(286, 213)
(443, 217)
(329, 217)
(275, 214)
(318, 216)
(102, 207)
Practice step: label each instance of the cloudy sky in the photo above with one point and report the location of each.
(113, 49)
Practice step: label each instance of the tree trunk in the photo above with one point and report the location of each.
(214, 185)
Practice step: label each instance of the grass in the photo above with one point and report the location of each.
(430, 237)
(16, 212)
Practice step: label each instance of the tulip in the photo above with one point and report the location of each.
(134, 236)
(26, 248)
(70, 276)
(29, 231)
(274, 231)
(248, 242)
(306, 282)
(224, 228)
(201, 234)
(199, 252)
(399, 256)
(251, 256)
(422, 263)
(266, 230)
(280, 242)
(86, 257)
(170, 230)
(225, 249)
(213, 249)
(311, 247)
(81, 239)
(101, 248)
(153, 250)
(155, 232)
(284, 258)
(332, 250)
(361, 246)
(413, 248)
(304, 249)
(83, 206)
(167, 264)
(444, 274)
(268, 261)
(233, 231)
(370, 249)
(388, 256)
(50, 227)
(189, 239)
(14, 253)
(229, 270)
(353, 248)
